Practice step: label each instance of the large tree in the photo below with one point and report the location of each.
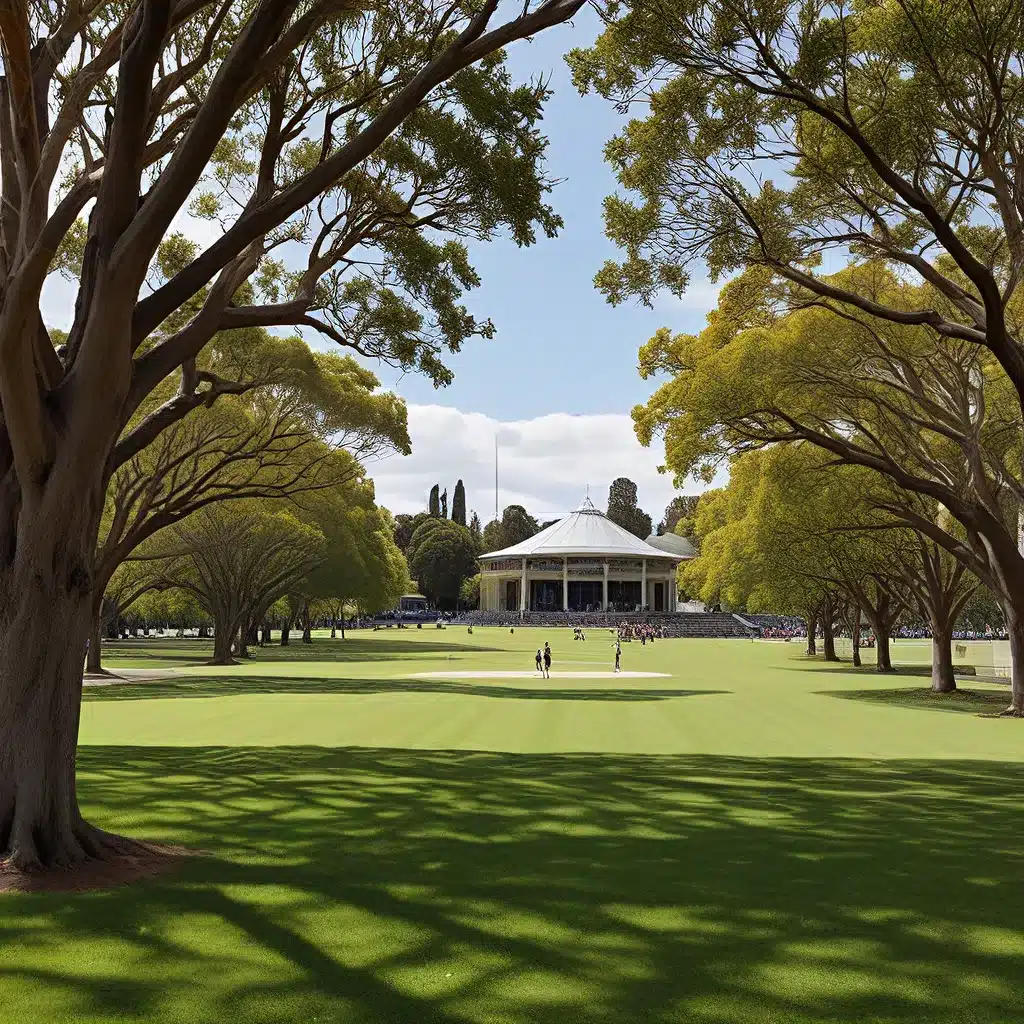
(517, 525)
(406, 526)
(623, 509)
(434, 501)
(442, 560)
(237, 560)
(776, 139)
(301, 425)
(340, 150)
(931, 418)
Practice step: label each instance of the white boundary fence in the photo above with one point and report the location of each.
(990, 658)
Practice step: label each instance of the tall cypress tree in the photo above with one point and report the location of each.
(434, 507)
(444, 504)
(459, 504)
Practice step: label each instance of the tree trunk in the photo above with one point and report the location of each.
(829, 637)
(812, 629)
(94, 657)
(223, 643)
(267, 633)
(883, 659)
(1015, 629)
(943, 680)
(307, 628)
(40, 701)
(855, 636)
(286, 628)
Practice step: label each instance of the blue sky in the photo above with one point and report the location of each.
(560, 346)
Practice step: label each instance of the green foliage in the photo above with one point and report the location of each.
(443, 556)
(623, 510)
(469, 592)
(434, 502)
(238, 558)
(777, 138)
(361, 563)
(301, 423)
(784, 532)
(427, 526)
(517, 525)
(493, 537)
(681, 510)
(459, 504)
(476, 533)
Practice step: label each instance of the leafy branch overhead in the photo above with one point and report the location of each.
(343, 154)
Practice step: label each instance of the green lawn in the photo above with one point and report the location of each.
(729, 843)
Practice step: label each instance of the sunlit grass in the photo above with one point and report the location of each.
(727, 844)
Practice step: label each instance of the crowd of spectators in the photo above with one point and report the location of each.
(924, 633)
(643, 631)
(778, 627)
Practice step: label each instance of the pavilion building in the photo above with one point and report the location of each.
(584, 562)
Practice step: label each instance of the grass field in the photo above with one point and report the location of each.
(751, 837)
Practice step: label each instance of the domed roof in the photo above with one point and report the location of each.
(587, 531)
(673, 544)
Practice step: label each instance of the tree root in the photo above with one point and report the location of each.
(89, 859)
(1012, 712)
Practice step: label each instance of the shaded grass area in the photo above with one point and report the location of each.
(221, 686)
(817, 663)
(983, 702)
(390, 886)
(166, 652)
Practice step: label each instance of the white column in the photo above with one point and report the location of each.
(604, 590)
(673, 584)
(522, 589)
(643, 585)
(565, 584)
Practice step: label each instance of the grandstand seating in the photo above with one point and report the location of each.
(678, 624)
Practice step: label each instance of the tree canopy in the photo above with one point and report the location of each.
(777, 140)
(683, 507)
(237, 560)
(623, 509)
(459, 504)
(443, 557)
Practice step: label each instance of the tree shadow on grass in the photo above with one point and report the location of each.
(813, 664)
(976, 702)
(226, 686)
(197, 652)
(391, 886)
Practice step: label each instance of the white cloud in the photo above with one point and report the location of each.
(544, 464)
